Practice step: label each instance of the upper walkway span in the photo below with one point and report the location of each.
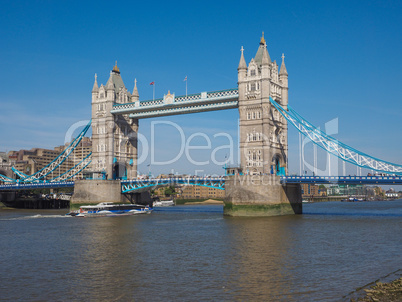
(171, 105)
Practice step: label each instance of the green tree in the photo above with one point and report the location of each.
(169, 191)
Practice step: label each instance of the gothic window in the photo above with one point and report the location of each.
(254, 115)
(257, 136)
(251, 137)
(248, 115)
(252, 87)
(252, 72)
(258, 86)
(259, 114)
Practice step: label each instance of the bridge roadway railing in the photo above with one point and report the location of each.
(128, 186)
(134, 185)
(385, 180)
(38, 185)
(200, 102)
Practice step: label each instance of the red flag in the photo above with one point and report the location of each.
(152, 83)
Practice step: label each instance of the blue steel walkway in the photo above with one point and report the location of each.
(137, 185)
(367, 180)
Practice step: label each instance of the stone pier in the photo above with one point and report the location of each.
(261, 195)
(95, 191)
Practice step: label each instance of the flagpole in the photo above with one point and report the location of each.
(154, 92)
(185, 80)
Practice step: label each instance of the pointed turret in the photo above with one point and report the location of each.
(265, 57)
(283, 70)
(135, 96)
(95, 88)
(242, 63)
(262, 51)
(109, 84)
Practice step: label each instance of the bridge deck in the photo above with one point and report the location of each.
(381, 180)
(214, 182)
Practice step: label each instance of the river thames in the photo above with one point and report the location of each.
(194, 253)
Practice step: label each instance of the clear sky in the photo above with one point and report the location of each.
(343, 58)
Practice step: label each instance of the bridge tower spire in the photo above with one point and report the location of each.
(114, 139)
(263, 131)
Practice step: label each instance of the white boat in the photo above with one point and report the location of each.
(163, 203)
(110, 209)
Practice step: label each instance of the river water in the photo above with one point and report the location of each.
(194, 253)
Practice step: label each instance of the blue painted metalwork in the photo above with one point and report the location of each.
(136, 185)
(6, 179)
(74, 170)
(334, 146)
(56, 162)
(132, 186)
(38, 185)
(381, 180)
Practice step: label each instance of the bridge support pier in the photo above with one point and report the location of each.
(261, 195)
(94, 191)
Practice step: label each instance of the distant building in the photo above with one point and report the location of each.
(346, 189)
(312, 190)
(198, 192)
(5, 165)
(32, 161)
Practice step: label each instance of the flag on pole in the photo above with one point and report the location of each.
(152, 83)
(185, 79)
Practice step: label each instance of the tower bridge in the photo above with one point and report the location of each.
(260, 185)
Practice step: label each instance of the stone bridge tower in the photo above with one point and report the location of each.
(263, 130)
(263, 142)
(114, 138)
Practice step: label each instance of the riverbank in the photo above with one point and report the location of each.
(198, 201)
(384, 292)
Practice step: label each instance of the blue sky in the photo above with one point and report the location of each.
(343, 59)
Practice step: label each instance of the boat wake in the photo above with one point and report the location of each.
(38, 216)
